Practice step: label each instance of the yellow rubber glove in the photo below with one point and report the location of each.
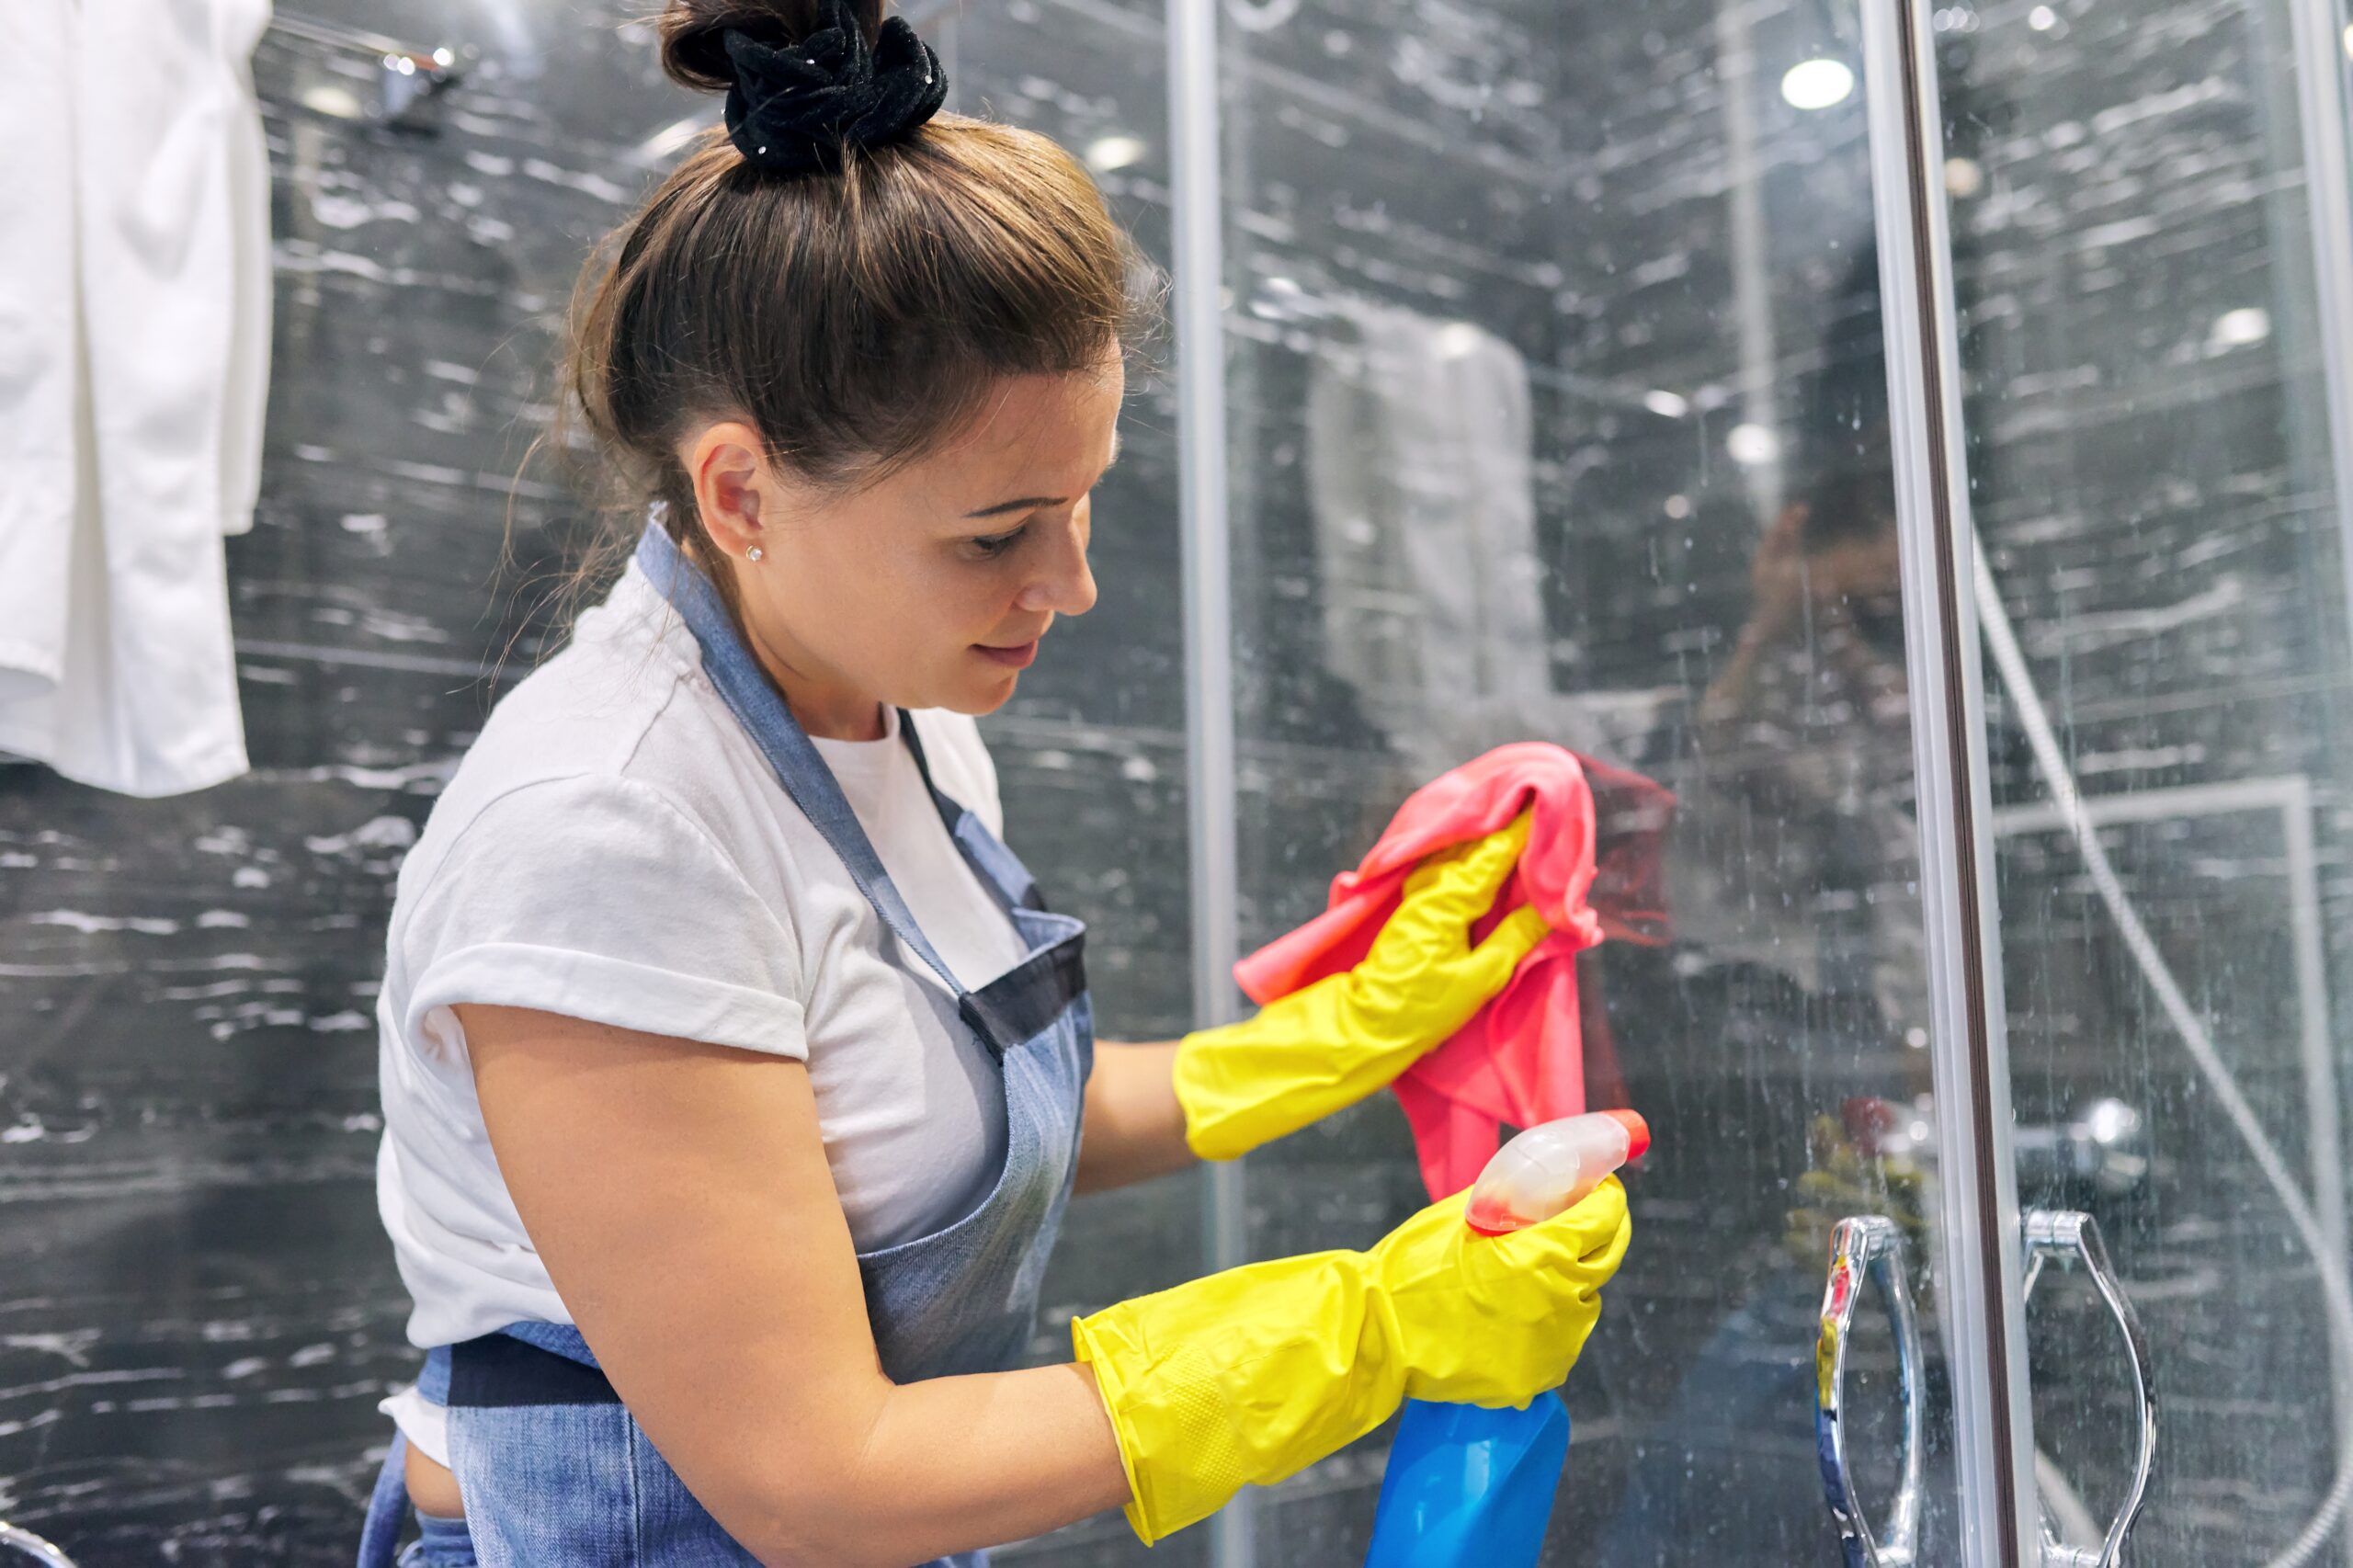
(1330, 1044)
(1248, 1376)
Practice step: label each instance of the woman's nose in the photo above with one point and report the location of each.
(1067, 586)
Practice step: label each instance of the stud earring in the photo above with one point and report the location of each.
(752, 553)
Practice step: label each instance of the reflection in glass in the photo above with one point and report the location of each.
(1560, 414)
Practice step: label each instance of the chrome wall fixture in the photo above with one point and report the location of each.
(368, 75)
(23, 1542)
(2102, 1145)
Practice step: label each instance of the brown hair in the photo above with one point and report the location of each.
(853, 315)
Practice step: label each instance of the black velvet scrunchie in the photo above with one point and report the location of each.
(792, 108)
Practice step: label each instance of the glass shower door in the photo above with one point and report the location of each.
(1559, 411)
(2152, 271)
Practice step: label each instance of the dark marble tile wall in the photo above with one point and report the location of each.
(203, 1310)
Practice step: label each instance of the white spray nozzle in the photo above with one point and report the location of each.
(1549, 1169)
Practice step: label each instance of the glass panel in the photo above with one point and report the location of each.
(1090, 753)
(2149, 442)
(1559, 413)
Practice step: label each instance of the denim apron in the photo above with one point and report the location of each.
(553, 1467)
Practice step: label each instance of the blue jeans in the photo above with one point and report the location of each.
(445, 1543)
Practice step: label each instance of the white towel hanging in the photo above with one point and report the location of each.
(134, 291)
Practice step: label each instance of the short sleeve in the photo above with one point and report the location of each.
(598, 898)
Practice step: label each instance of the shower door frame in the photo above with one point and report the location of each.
(1197, 315)
(1980, 1296)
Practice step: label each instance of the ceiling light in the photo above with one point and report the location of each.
(1457, 338)
(1751, 445)
(1108, 153)
(2236, 329)
(1817, 83)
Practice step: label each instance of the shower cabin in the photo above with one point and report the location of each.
(1920, 437)
(1916, 434)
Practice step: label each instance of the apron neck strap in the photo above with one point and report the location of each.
(1007, 880)
(950, 812)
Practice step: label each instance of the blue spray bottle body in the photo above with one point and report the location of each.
(1467, 1485)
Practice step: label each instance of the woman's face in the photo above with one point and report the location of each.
(930, 588)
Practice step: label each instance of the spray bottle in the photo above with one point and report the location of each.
(1467, 1485)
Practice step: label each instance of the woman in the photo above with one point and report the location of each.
(722, 1035)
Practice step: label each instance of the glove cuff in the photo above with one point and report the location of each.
(1184, 1390)
(1112, 1388)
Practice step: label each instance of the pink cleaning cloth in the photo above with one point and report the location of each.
(1590, 872)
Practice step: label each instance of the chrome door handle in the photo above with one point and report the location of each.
(15, 1540)
(2065, 1234)
(1861, 1247)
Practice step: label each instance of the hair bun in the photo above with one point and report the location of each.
(805, 81)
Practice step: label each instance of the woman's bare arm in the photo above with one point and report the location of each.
(1135, 1128)
(679, 1196)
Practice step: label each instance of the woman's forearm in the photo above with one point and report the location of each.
(904, 1474)
(961, 1463)
(1135, 1128)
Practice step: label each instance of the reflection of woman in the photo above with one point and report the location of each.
(1799, 957)
(1805, 731)
(735, 1071)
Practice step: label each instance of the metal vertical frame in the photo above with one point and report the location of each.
(1978, 1217)
(1752, 272)
(1197, 313)
(2320, 67)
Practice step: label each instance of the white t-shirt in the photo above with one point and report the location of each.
(614, 847)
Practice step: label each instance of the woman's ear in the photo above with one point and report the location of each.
(735, 490)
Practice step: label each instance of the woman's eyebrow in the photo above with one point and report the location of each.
(1025, 503)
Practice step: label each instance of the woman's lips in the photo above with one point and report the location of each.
(1011, 658)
